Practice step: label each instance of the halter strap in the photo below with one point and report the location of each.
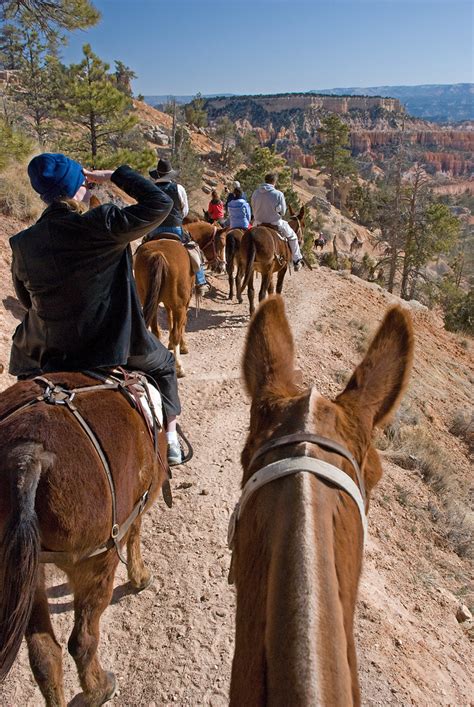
(324, 442)
(293, 465)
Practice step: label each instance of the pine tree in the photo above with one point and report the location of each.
(187, 161)
(38, 85)
(333, 154)
(124, 76)
(195, 112)
(95, 104)
(51, 17)
(225, 131)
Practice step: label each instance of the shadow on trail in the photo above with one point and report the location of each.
(64, 590)
(208, 319)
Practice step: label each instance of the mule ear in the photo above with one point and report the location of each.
(268, 361)
(378, 383)
(301, 213)
(94, 202)
(292, 213)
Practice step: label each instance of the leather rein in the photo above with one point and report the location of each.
(293, 465)
(212, 243)
(58, 395)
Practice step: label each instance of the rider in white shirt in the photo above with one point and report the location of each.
(269, 206)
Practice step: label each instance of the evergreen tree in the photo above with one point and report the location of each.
(124, 76)
(187, 161)
(247, 143)
(14, 145)
(95, 104)
(195, 112)
(263, 161)
(225, 131)
(436, 232)
(333, 154)
(39, 82)
(10, 46)
(51, 17)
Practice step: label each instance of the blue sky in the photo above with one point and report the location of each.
(266, 46)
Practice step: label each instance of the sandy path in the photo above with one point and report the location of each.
(172, 644)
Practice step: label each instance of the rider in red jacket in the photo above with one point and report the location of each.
(216, 209)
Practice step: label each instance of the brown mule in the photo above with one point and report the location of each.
(232, 246)
(54, 495)
(298, 543)
(163, 274)
(211, 239)
(263, 250)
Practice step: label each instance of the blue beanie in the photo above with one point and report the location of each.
(53, 175)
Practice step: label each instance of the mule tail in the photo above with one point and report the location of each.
(157, 270)
(230, 247)
(251, 253)
(19, 548)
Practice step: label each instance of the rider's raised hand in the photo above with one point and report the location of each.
(99, 176)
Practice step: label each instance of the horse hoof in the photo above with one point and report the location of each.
(184, 350)
(84, 700)
(143, 585)
(112, 680)
(179, 373)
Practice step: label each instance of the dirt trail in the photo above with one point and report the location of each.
(172, 644)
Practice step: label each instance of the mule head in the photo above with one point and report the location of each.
(281, 407)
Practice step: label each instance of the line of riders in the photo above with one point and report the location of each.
(73, 272)
(268, 206)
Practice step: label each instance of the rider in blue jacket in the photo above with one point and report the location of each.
(239, 211)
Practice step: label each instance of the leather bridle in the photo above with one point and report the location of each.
(212, 242)
(293, 465)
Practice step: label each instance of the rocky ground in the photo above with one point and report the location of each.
(172, 644)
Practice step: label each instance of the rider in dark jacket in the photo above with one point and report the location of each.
(72, 271)
(164, 176)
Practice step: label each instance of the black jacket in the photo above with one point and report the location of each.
(175, 217)
(73, 273)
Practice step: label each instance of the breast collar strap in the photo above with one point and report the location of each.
(293, 465)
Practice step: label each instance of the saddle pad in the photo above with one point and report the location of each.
(155, 395)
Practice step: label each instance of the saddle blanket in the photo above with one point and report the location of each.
(145, 391)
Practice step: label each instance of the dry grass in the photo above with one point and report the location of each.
(462, 426)
(17, 199)
(414, 448)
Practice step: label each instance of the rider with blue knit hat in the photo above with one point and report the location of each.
(72, 271)
(54, 175)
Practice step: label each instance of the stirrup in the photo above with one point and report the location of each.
(186, 448)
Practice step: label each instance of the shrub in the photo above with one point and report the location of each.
(15, 146)
(462, 426)
(459, 313)
(329, 260)
(17, 198)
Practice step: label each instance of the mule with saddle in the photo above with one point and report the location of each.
(164, 272)
(265, 250)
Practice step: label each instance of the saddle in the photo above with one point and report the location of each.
(275, 228)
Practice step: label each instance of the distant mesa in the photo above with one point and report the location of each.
(441, 103)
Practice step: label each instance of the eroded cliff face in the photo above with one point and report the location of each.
(449, 151)
(290, 122)
(334, 104)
